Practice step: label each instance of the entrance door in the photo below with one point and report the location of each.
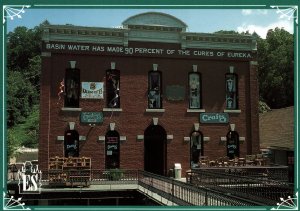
(196, 148)
(155, 150)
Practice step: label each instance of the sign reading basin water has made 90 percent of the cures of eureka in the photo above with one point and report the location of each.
(214, 118)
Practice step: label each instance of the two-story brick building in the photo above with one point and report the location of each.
(147, 95)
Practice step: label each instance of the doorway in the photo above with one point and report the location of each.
(155, 150)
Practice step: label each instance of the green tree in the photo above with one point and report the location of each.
(23, 44)
(275, 70)
(21, 96)
(27, 133)
(33, 72)
(12, 143)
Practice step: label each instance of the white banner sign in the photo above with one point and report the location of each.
(92, 90)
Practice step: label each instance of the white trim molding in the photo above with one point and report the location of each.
(236, 111)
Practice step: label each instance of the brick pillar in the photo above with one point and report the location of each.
(43, 154)
(254, 98)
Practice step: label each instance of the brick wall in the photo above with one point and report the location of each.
(133, 120)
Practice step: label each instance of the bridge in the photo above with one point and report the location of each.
(204, 187)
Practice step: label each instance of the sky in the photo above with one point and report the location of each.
(198, 20)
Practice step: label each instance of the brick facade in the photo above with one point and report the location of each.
(133, 119)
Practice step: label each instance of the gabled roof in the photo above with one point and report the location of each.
(276, 129)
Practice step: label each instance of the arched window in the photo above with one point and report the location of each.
(72, 87)
(112, 150)
(195, 90)
(196, 144)
(113, 88)
(71, 143)
(154, 89)
(231, 91)
(233, 147)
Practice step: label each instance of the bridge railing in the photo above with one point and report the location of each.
(257, 189)
(205, 188)
(185, 194)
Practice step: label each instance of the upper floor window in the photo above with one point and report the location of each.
(72, 87)
(113, 88)
(231, 91)
(195, 90)
(154, 90)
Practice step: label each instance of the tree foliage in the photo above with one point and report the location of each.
(23, 81)
(21, 96)
(24, 69)
(276, 68)
(23, 44)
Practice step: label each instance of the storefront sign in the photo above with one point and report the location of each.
(92, 90)
(175, 92)
(91, 117)
(214, 118)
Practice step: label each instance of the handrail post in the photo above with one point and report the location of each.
(205, 200)
(172, 191)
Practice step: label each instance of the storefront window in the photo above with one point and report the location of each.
(113, 88)
(71, 143)
(194, 90)
(154, 89)
(231, 91)
(233, 148)
(196, 147)
(112, 150)
(72, 87)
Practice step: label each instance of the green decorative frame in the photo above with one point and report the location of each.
(12, 9)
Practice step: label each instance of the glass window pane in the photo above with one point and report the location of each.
(231, 91)
(72, 88)
(113, 88)
(194, 86)
(154, 90)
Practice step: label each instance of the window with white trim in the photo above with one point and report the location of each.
(231, 80)
(154, 90)
(195, 90)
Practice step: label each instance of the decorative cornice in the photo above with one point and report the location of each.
(154, 28)
(219, 41)
(147, 33)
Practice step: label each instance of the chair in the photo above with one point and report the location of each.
(259, 159)
(241, 161)
(226, 161)
(220, 161)
(203, 161)
(250, 159)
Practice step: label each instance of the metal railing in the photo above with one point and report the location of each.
(186, 194)
(257, 189)
(88, 177)
(279, 173)
(205, 188)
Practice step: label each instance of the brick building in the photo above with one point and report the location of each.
(147, 95)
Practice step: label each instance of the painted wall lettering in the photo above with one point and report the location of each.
(106, 49)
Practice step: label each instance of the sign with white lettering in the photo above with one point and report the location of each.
(92, 90)
(155, 50)
(30, 178)
(214, 118)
